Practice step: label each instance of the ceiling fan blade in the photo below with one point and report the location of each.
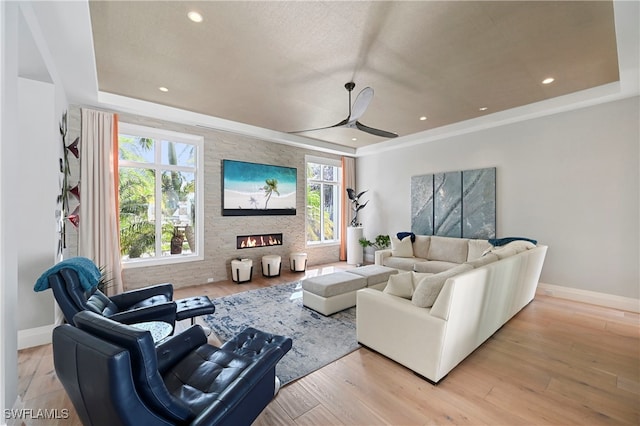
(377, 132)
(362, 102)
(340, 124)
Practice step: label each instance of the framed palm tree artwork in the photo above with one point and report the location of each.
(252, 189)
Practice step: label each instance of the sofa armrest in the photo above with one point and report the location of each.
(126, 299)
(175, 348)
(380, 255)
(398, 329)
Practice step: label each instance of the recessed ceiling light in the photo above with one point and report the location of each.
(354, 139)
(423, 118)
(195, 16)
(548, 80)
(483, 108)
(163, 89)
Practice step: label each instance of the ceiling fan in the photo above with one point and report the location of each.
(359, 107)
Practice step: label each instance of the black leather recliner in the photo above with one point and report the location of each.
(114, 375)
(153, 303)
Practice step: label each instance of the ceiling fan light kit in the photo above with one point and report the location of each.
(359, 107)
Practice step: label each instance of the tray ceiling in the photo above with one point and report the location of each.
(282, 65)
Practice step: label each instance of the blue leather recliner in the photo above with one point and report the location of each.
(115, 375)
(153, 303)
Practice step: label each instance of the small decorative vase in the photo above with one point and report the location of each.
(176, 244)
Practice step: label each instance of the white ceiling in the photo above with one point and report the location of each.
(264, 68)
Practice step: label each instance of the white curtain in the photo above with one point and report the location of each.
(348, 181)
(98, 230)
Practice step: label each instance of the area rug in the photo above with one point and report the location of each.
(317, 340)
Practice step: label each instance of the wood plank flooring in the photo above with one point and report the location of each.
(556, 362)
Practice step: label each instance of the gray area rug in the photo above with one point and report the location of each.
(317, 340)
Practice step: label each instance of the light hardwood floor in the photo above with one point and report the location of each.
(557, 362)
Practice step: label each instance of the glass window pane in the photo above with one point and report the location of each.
(178, 154)
(134, 148)
(313, 171)
(329, 216)
(313, 213)
(328, 173)
(137, 226)
(178, 211)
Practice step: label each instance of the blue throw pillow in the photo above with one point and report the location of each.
(496, 242)
(402, 235)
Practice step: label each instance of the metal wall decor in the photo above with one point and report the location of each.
(65, 187)
(455, 204)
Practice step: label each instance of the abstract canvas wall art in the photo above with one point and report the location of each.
(455, 204)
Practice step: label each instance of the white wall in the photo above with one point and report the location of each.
(569, 180)
(37, 242)
(8, 230)
(19, 28)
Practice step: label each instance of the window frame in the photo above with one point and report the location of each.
(159, 135)
(323, 161)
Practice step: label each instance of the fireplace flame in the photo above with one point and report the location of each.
(259, 241)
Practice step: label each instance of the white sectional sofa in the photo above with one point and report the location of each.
(475, 298)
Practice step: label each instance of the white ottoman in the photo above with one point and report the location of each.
(241, 270)
(331, 293)
(271, 265)
(298, 262)
(376, 275)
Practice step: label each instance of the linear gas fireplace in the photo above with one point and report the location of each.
(261, 240)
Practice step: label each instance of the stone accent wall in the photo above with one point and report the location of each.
(221, 231)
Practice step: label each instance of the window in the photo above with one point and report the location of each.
(160, 187)
(323, 200)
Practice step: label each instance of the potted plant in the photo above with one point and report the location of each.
(381, 242)
(177, 239)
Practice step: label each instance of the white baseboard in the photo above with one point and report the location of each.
(591, 297)
(37, 336)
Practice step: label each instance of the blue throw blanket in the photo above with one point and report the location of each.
(502, 241)
(87, 271)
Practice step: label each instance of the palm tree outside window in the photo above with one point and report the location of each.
(160, 176)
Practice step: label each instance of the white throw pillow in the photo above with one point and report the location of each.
(400, 285)
(477, 248)
(418, 276)
(401, 248)
(484, 260)
(427, 291)
(520, 245)
(504, 252)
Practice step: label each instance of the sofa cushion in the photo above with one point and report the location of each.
(448, 249)
(484, 260)
(434, 266)
(374, 274)
(400, 285)
(429, 288)
(421, 246)
(401, 248)
(477, 248)
(404, 263)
